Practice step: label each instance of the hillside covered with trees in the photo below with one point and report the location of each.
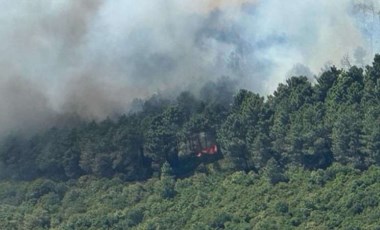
(282, 161)
(339, 197)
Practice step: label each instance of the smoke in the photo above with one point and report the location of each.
(22, 105)
(92, 58)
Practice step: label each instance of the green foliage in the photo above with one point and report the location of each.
(282, 162)
(346, 138)
(166, 184)
(337, 197)
(334, 120)
(273, 172)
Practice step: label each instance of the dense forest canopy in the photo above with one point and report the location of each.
(305, 157)
(193, 150)
(339, 197)
(302, 124)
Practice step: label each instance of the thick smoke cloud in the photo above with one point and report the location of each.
(92, 58)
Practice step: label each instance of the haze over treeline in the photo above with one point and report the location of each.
(92, 58)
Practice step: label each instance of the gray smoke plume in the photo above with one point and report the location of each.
(93, 57)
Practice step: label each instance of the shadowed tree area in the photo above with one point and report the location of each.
(334, 120)
(192, 150)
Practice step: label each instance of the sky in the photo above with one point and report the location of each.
(93, 57)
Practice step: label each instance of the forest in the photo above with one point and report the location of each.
(307, 157)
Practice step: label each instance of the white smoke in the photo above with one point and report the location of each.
(94, 57)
